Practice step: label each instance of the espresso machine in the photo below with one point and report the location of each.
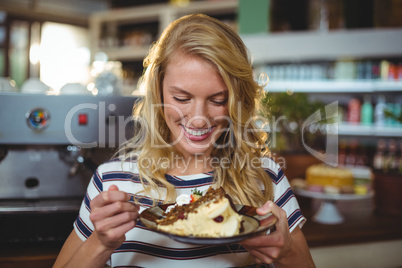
(50, 145)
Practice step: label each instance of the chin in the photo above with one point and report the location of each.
(190, 149)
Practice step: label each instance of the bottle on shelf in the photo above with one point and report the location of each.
(368, 70)
(375, 70)
(342, 152)
(351, 155)
(396, 111)
(399, 71)
(354, 111)
(345, 70)
(364, 70)
(361, 156)
(390, 161)
(392, 72)
(389, 107)
(384, 68)
(378, 161)
(379, 111)
(366, 115)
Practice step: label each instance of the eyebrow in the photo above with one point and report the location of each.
(223, 92)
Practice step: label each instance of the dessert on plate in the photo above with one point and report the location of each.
(210, 215)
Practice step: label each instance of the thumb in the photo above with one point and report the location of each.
(265, 209)
(113, 188)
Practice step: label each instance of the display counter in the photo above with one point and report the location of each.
(361, 225)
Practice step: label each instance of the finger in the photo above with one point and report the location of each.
(259, 257)
(113, 192)
(275, 209)
(265, 209)
(116, 236)
(117, 220)
(124, 228)
(115, 195)
(120, 231)
(282, 224)
(108, 197)
(264, 241)
(109, 210)
(270, 206)
(113, 188)
(270, 220)
(266, 254)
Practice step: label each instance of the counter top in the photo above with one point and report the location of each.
(361, 225)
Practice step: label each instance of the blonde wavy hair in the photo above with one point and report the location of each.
(212, 40)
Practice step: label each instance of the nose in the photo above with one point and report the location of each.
(199, 115)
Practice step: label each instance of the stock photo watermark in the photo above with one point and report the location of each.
(112, 130)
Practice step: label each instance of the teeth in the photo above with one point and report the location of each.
(196, 133)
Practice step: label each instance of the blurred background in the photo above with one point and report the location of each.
(333, 76)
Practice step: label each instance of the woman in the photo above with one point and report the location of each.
(196, 129)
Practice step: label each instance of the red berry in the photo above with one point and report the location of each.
(219, 219)
(181, 215)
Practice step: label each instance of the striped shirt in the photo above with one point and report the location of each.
(145, 248)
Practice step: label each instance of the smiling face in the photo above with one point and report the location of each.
(195, 104)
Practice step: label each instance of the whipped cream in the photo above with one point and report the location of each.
(182, 199)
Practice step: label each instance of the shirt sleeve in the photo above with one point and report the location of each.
(283, 194)
(83, 225)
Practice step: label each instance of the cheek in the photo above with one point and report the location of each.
(221, 116)
(172, 113)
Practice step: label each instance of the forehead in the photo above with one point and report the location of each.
(180, 61)
(192, 73)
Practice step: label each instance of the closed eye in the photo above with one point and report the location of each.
(181, 99)
(219, 102)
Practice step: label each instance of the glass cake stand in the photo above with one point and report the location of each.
(328, 212)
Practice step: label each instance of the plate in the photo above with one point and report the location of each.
(253, 224)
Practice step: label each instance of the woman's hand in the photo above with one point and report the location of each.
(112, 216)
(276, 245)
(281, 247)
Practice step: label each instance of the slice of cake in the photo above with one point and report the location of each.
(330, 179)
(211, 215)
